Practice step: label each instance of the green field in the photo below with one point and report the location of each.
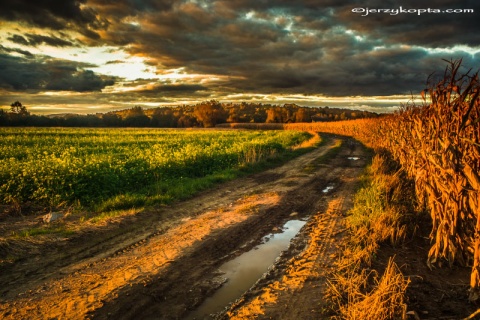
(104, 169)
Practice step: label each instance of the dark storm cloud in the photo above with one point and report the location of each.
(29, 74)
(72, 80)
(36, 39)
(15, 50)
(116, 8)
(298, 47)
(174, 88)
(427, 29)
(115, 62)
(19, 39)
(383, 72)
(255, 46)
(54, 14)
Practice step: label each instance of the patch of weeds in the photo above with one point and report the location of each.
(45, 230)
(113, 214)
(122, 201)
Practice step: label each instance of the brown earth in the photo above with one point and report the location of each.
(163, 262)
(440, 293)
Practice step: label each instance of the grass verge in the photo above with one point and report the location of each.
(379, 215)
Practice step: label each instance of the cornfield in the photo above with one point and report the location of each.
(438, 146)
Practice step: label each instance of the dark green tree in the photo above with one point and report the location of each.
(136, 117)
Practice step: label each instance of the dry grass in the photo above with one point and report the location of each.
(385, 301)
(356, 291)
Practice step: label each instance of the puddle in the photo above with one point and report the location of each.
(243, 271)
(353, 158)
(328, 188)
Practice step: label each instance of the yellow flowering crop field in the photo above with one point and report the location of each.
(54, 166)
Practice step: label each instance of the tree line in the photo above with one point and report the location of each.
(205, 114)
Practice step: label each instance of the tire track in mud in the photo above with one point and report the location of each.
(294, 289)
(168, 268)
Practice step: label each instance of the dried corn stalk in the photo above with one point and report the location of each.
(438, 144)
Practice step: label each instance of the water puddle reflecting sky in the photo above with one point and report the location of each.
(243, 271)
(328, 188)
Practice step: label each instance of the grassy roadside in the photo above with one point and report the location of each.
(380, 215)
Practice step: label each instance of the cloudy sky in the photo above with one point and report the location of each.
(87, 56)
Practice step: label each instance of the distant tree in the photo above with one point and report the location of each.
(18, 108)
(136, 118)
(275, 115)
(40, 121)
(206, 114)
(163, 118)
(233, 116)
(135, 111)
(271, 115)
(91, 120)
(186, 121)
(302, 115)
(259, 115)
(210, 113)
(288, 114)
(73, 120)
(112, 120)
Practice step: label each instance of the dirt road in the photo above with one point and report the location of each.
(163, 263)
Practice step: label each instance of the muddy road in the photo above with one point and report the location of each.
(163, 263)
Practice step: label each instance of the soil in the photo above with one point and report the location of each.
(440, 293)
(163, 262)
